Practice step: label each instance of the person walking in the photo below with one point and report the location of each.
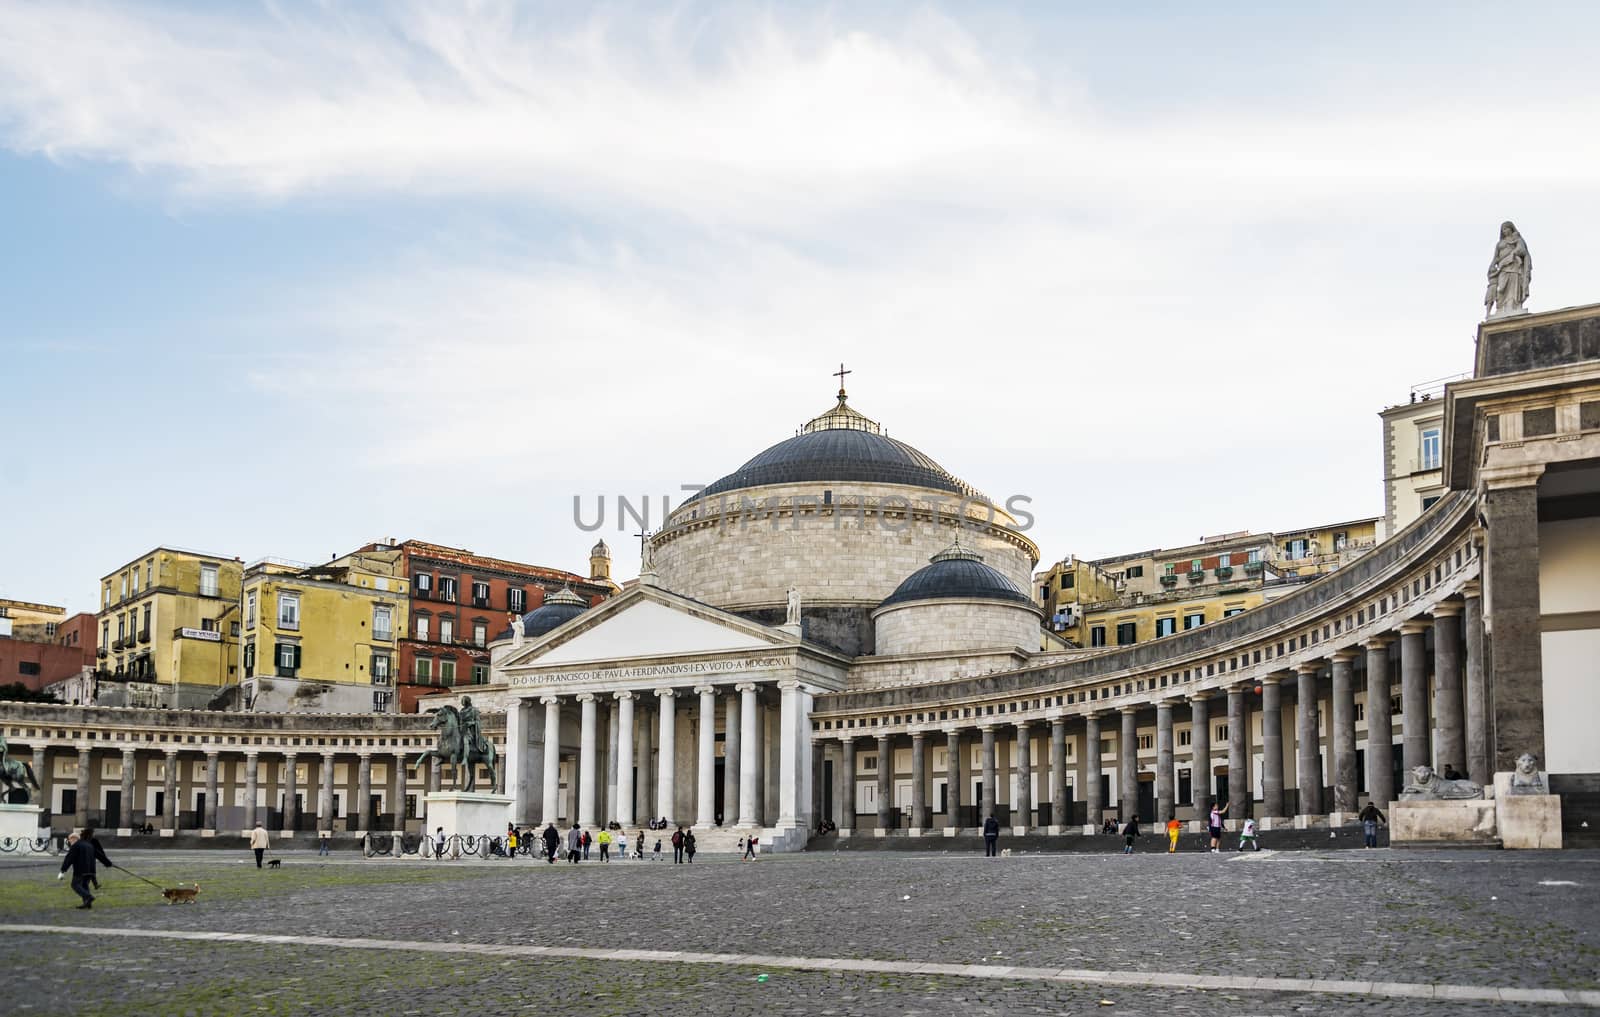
(552, 843)
(1214, 825)
(749, 848)
(99, 853)
(656, 857)
(81, 854)
(688, 845)
(511, 840)
(438, 843)
(991, 837)
(1129, 832)
(1370, 818)
(1247, 836)
(574, 844)
(677, 846)
(638, 847)
(604, 840)
(587, 840)
(259, 842)
(1173, 829)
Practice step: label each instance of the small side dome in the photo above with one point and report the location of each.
(600, 550)
(957, 573)
(558, 608)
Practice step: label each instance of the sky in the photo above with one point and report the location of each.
(281, 279)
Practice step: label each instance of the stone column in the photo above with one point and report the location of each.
(1058, 774)
(847, 784)
(705, 791)
(363, 809)
(1022, 808)
(885, 783)
(644, 789)
(436, 775)
(1447, 711)
(41, 773)
(1307, 742)
(588, 733)
(749, 746)
(550, 794)
(625, 795)
(732, 715)
(85, 769)
(1241, 790)
(666, 785)
(790, 716)
(1271, 747)
(169, 796)
(1346, 779)
(291, 815)
(399, 792)
(1093, 799)
(213, 760)
(1414, 695)
(252, 769)
(1165, 799)
(607, 810)
(519, 764)
(1380, 726)
(988, 772)
(1128, 765)
(130, 763)
(1200, 756)
(1511, 604)
(919, 781)
(325, 799)
(1480, 768)
(952, 778)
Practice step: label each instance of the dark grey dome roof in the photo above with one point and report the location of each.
(558, 609)
(957, 573)
(842, 445)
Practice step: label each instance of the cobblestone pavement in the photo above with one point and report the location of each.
(1528, 920)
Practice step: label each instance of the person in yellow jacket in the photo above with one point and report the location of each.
(1173, 826)
(604, 840)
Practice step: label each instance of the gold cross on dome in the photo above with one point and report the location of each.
(840, 373)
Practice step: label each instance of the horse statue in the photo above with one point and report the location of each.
(447, 720)
(15, 774)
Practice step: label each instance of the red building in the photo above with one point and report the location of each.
(69, 649)
(460, 602)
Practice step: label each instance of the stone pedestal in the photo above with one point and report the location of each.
(1467, 822)
(20, 826)
(467, 813)
(1309, 821)
(1526, 821)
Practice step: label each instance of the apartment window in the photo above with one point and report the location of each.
(250, 611)
(1230, 612)
(1170, 570)
(515, 599)
(1294, 549)
(1254, 556)
(149, 573)
(1222, 733)
(1224, 561)
(480, 633)
(1069, 580)
(28, 667)
(422, 583)
(1127, 633)
(288, 610)
(380, 669)
(1135, 572)
(1427, 503)
(1428, 457)
(122, 626)
(422, 628)
(208, 625)
(144, 630)
(1194, 621)
(1184, 738)
(208, 580)
(1196, 566)
(105, 633)
(447, 672)
(107, 600)
(480, 674)
(1097, 635)
(288, 658)
(1361, 711)
(233, 629)
(447, 629)
(480, 594)
(249, 660)
(380, 704)
(134, 586)
(1341, 540)
(382, 622)
(424, 671)
(1166, 626)
(447, 589)
(123, 593)
(1147, 741)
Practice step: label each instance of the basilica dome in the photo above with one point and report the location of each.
(955, 603)
(558, 608)
(957, 573)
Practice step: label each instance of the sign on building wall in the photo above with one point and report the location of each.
(647, 672)
(201, 634)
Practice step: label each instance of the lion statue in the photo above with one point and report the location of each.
(1425, 784)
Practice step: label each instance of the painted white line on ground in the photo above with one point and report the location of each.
(1138, 979)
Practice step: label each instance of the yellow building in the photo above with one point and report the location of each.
(1413, 457)
(169, 625)
(323, 638)
(30, 622)
(1134, 598)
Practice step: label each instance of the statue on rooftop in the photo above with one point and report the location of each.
(1510, 272)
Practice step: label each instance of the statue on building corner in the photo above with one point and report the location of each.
(793, 615)
(1527, 778)
(516, 633)
(1510, 273)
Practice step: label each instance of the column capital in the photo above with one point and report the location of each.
(624, 694)
(213, 754)
(170, 753)
(1447, 609)
(919, 735)
(1243, 688)
(585, 697)
(1271, 679)
(550, 700)
(327, 757)
(789, 684)
(1415, 626)
(1198, 695)
(290, 753)
(705, 690)
(1309, 668)
(988, 728)
(666, 693)
(128, 753)
(1167, 704)
(952, 731)
(253, 754)
(745, 687)
(1128, 710)
(1472, 588)
(1345, 655)
(1377, 642)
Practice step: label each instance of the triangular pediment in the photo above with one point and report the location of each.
(646, 623)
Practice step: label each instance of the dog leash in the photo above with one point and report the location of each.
(140, 878)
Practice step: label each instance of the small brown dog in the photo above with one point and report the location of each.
(181, 894)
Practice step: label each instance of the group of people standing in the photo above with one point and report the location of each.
(577, 843)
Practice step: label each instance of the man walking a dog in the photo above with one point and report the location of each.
(81, 854)
(258, 842)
